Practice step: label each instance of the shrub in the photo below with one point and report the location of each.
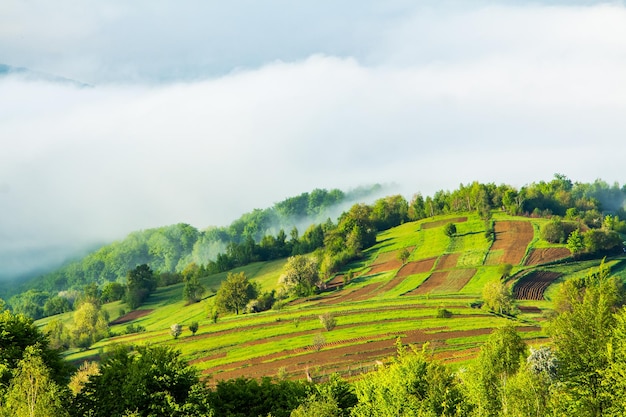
(449, 229)
(130, 329)
(193, 327)
(175, 330)
(443, 313)
(328, 321)
(318, 341)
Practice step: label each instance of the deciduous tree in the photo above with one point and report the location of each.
(235, 292)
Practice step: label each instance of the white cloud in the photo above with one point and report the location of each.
(500, 94)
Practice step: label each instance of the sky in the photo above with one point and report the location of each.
(199, 111)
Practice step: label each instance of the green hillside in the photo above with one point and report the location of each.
(384, 300)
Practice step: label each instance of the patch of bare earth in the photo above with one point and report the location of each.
(533, 285)
(512, 237)
(438, 223)
(417, 267)
(345, 354)
(444, 281)
(546, 255)
(128, 317)
(448, 261)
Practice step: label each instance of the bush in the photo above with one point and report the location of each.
(175, 330)
(449, 229)
(193, 327)
(130, 329)
(318, 341)
(443, 313)
(328, 321)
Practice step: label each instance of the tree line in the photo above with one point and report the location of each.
(588, 217)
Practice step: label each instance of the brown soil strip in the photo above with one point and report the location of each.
(448, 261)
(513, 237)
(418, 267)
(533, 285)
(431, 225)
(353, 355)
(133, 315)
(546, 255)
(387, 266)
(530, 309)
(444, 281)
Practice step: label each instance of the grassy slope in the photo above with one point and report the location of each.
(370, 311)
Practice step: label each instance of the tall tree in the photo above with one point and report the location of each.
(140, 282)
(235, 292)
(580, 333)
(300, 275)
(32, 392)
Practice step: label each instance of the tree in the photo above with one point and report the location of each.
(112, 291)
(32, 391)
(140, 282)
(90, 325)
(56, 305)
(404, 255)
(17, 333)
(151, 380)
(497, 297)
(413, 385)
(176, 330)
(300, 275)
(235, 292)
(193, 327)
(575, 243)
(193, 290)
(328, 320)
(449, 229)
(553, 231)
(499, 360)
(581, 332)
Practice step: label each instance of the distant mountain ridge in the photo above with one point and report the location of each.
(32, 75)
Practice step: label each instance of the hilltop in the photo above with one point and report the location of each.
(432, 297)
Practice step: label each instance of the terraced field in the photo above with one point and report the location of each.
(384, 301)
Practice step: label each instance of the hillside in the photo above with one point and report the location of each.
(384, 300)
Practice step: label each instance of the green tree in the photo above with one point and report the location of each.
(449, 229)
(151, 380)
(497, 297)
(235, 292)
(581, 332)
(90, 325)
(553, 231)
(32, 391)
(112, 291)
(140, 282)
(58, 334)
(17, 333)
(413, 385)
(193, 327)
(499, 360)
(176, 330)
(300, 275)
(404, 255)
(56, 305)
(193, 290)
(575, 243)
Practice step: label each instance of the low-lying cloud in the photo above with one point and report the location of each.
(496, 94)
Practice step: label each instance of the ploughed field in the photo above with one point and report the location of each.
(386, 299)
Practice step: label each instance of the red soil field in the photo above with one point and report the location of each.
(513, 238)
(533, 285)
(133, 315)
(438, 223)
(448, 261)
(387, 266)
(545, 255)
(336, 355)
(418, 267)
(444, 281)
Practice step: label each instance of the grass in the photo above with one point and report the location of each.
(235, 341)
